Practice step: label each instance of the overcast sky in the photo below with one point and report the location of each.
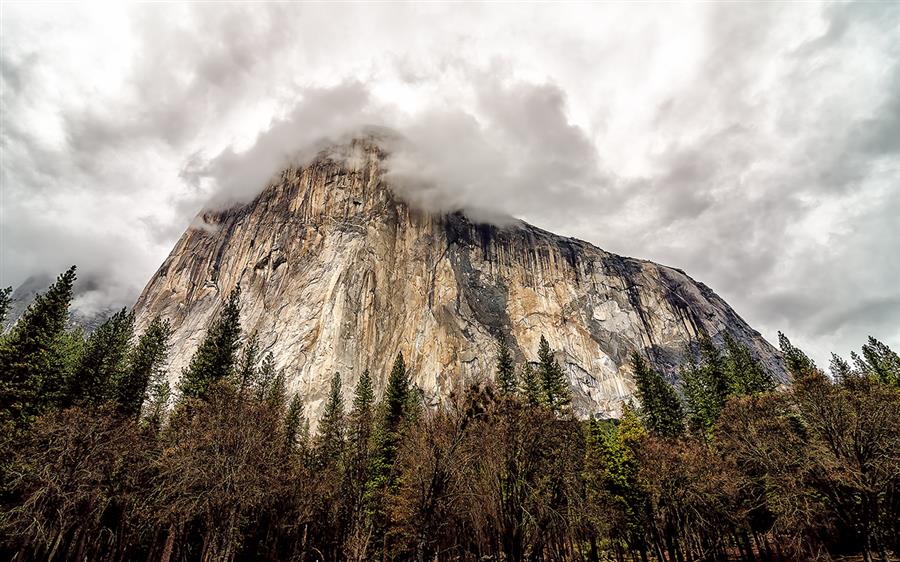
(755, 146)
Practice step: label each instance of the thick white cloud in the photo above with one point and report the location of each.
(756, 147)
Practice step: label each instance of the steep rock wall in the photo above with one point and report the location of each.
(338, 275)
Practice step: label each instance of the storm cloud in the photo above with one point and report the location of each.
(755, 146)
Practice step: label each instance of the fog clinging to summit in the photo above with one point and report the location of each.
(757, 147)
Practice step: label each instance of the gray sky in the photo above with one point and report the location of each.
(755, 146)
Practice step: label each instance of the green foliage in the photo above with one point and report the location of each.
(660, 406)
(104, 363)
(554, 387)
(879, 361)
(36, 356)
(795, 360)
(5, 302)
(330, 438)
(158, 401)
(265, 378)
(743, 373)
(247, 369)
(840, 369)
(531, 385)
(293, 423)
(506, 369)
(146, 367)
(396, 396)
(364, 394)
(216, 357)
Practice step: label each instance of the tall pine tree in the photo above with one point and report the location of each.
(330, 438)
(743, 373)
(104, 362)
(531, 385)
(216, 357)
(880, 362)
(146, 367)
(506, 369)
(247, 369)
(554, 386)
(795, 360)
(293, 422)
(34, 356)
(660, 407)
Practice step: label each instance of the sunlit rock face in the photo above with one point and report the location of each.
(339, 275)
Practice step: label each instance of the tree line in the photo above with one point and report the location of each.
(103, 460)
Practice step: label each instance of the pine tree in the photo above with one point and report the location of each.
(265, 378)
(795, 360)
(840, 369)
(104, 362)
(160, 395)
(396, 396)
(5, 302)
(247, 370)
(330, 438)
(292, 423)
(34, 356)
(703, 403)
(216, 357)
(381, 477)
(364, 395)
(531, 385)
(745, 376)
(660, 407)
(506, 369)
(276, 397)
(879, 361)
(554, 387)
(146, 366)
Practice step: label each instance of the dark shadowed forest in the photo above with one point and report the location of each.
(102, 460)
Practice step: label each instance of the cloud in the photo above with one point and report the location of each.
(758, 148)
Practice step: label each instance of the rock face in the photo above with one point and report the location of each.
(339, 275)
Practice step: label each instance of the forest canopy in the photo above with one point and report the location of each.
(101, 459)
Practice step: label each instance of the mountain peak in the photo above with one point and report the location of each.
(339, 275)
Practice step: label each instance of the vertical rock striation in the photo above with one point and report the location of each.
(338, 275)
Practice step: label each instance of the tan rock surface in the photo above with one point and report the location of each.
(338, 275)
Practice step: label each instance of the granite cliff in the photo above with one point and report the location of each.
(339, 275)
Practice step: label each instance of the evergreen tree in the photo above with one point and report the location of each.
(265, 378)
(216, 357)
(794, 359)
(160, 396)
(247, 370)
(330, 438)
(744, 374)
(879, 361)
(840, 369)
(364, 395)
(276, 397)
(293, 423)
(34, 357)
(506, 369)
(146, 366)
(104, 363)
(5, 302)
(396, 396)
(660, 407)
(531, 385)
(703, 405)
(554, 386)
